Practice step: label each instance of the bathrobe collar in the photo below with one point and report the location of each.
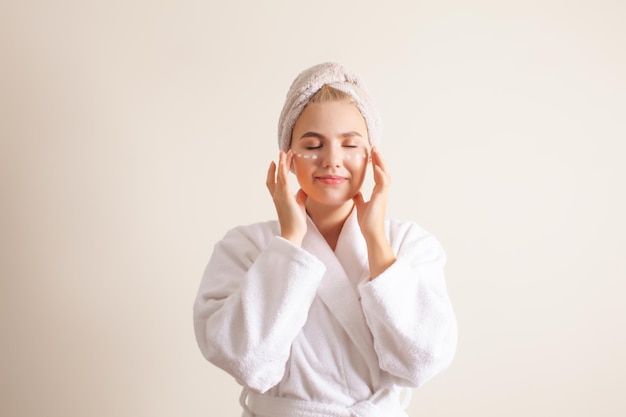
(346, 268)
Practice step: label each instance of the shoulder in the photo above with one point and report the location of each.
(256, 233)
(243, 243)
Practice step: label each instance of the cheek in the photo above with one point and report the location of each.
(296, 166)
(358, 168)
(300, 169)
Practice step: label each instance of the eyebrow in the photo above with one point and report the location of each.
(320, 136)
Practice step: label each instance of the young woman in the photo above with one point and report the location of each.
(331, 309)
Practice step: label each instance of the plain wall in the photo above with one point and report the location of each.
(134, 134)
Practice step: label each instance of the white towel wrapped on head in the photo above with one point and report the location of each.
(309, 81)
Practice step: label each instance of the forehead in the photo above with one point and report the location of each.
(331, 118)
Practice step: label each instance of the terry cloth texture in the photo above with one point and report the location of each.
(309, 81)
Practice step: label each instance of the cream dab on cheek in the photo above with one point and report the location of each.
(357, 156)
(347, 156)
(299, 155)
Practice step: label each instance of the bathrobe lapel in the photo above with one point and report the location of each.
(345, 269)
(351, 251)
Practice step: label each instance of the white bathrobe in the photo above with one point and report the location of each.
(306, 323)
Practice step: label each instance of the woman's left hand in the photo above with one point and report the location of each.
(371, 217)
(371, 214)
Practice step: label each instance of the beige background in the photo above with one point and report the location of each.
(135, 133)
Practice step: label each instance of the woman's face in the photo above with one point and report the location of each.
(331, 151)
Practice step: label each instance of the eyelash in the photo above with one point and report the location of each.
(320, 146)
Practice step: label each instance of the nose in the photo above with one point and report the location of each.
(332, 156)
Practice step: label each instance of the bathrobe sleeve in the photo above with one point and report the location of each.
(408, 310)
(253, 300)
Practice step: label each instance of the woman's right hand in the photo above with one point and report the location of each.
(290, 208)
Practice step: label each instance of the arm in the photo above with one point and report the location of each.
(253, 300)
(408, 309)
(257, 289)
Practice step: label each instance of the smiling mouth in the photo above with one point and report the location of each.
(331, 179)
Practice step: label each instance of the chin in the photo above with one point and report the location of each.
(331, 198)
(332, 202)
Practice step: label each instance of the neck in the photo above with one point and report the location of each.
(329, 219)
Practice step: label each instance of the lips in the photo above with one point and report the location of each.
(331, 179)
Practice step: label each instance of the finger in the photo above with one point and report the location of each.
(373, 160)
(292, 158)
(289, 161)
(358, 200)
(380, 177)
(283, 171)
(377, 159)
(301, 197)
(271, 178)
